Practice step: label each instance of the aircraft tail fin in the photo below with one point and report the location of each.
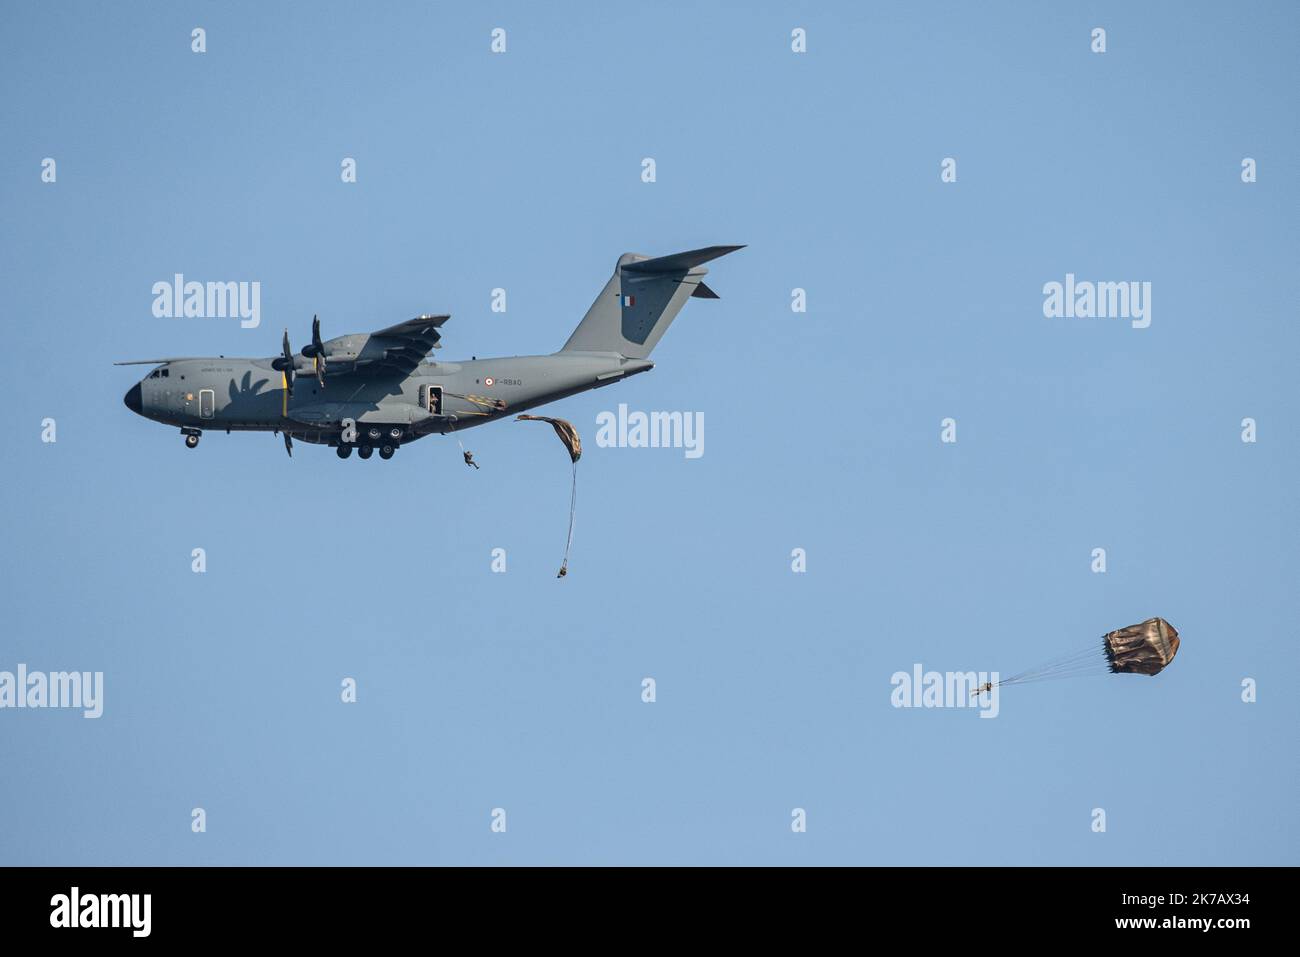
(640, 301)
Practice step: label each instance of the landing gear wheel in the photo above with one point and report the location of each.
(394, 433)
(191, 441)
(374, 433)
(344, 451)
(365, 451)
(386, 451)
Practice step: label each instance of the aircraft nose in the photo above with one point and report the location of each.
(133, 399)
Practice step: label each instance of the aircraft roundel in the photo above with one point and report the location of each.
(489, 381)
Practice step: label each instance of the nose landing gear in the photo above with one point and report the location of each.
(191, 437)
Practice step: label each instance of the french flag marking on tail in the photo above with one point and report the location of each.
(629, 300)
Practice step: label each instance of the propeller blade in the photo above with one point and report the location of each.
(285, 363)
(316, 351)
(288, 444)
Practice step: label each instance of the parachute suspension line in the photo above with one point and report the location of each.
(1146, 648)
(573, 509)
(1090, 651)
(1055, 663)
(1082, 662)
(1097, 668)
(1084, 674)
(1079, 671)
(1063, 664)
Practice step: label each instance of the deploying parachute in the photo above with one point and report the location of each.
(1143, 649)
(569, 436)
(565, 430)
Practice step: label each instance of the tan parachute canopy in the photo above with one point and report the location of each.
(1142, 649)
(565, 430)
(569, 436)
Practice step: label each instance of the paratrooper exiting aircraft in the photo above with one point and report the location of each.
(380, 390)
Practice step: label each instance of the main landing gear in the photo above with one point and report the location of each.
(191, 437)
(386, 451)
(387, 439)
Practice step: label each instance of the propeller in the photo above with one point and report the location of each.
(288, 444)
(285, 364)
(316, 351)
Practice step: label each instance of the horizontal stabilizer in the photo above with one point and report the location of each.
(679, 262)
(704, 292)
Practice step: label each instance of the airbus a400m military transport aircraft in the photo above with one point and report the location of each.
(380, 390)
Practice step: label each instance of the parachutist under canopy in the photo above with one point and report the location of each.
(469, 458)
(1146, 648)
(986, 686)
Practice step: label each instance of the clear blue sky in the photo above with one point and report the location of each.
(518, 691)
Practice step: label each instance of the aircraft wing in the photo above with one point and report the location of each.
(401, 348)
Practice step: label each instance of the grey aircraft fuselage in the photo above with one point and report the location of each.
(248, 395)
(380, 390)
